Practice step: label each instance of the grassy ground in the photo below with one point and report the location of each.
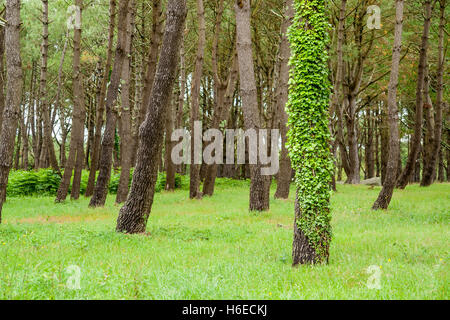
(216, 249)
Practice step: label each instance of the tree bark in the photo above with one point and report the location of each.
(134, 214)
(13, 94)
(386, 193)
(415, 141)
(101, 188)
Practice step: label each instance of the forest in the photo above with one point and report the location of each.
(224, 149)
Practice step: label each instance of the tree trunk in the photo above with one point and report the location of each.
(415, 143)
(2, 73)
(126, 144)
(101, 102)
(101, 188)
(170, 167)
(78, 114)
(13, 94)
(134, 214)
(282, 91)
(436, 133)
(48, 140)
(259, 199)
(195, 104)
(385, 195)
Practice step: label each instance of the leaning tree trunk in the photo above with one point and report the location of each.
(13, 94)
(78, 114)
(433, 159)
(259, 199)
(101, 102)
(309, 138)
(134, 214)
(101, 188)
(194, 171)
(415, 143)
(282, 91)
(385, 195)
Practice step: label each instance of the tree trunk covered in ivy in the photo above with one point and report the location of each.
(134, 214)
(309, 136)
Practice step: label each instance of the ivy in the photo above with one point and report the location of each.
(309, 136)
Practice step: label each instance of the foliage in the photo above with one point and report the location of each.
(308, 137)
(45, 182)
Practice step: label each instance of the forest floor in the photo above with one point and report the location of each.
(216, 249)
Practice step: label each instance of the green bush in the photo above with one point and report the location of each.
(45, 182)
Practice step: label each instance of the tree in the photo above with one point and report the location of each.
(126, 146)
(49, 149)
(415, 143)
(309, 134)
(385, 195)
(134, 214)
(101, 101)
(13, 94)
(436, 130)
(195, 104)
(282, 91)
(259, 199)
(78, 116)
(101, 187)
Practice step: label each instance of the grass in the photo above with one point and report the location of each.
(216, 249)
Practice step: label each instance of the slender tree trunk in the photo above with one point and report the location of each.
(48, 140)
(78, 114)
(170, 167)
(385, 195)
(134, 214)
(436, 133)
(415, 143)
(195, 104)
(13, 94)
(126, 144)
(101, 102)
(101, 188)
(259, 199)
(282, 92)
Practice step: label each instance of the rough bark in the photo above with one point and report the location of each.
(13, 94)
(101, 187)
(134, 215)
(415, 141)
(386, 193)
(2, 73)
(259, 199)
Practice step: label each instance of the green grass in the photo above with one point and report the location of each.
(216, 249)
